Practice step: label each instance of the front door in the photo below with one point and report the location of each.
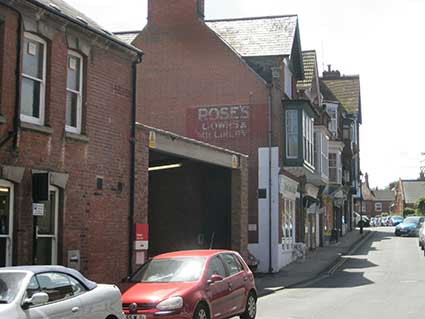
(46, 231)
(6, 223)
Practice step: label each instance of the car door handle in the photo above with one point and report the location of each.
(75, 309)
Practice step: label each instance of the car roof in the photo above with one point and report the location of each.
(43, 269)
(193, 253)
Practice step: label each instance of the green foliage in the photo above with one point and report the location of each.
(409, 211)
(420, 205)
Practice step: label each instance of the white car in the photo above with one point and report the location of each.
(55, 292)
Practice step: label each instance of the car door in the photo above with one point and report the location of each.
(235, 301)
(62, 303)
(216, 291)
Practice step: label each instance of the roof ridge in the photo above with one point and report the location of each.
(126, 32)
(253, 18)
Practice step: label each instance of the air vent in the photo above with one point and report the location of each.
(82, 20)
(54, 6)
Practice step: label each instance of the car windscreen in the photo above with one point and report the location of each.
(10, 283)
(411, 220)
(179, 269)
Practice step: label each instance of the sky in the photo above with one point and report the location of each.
(381, 40)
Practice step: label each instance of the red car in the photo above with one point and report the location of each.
(192, 284)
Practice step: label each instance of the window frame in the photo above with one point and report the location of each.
(294, 132)
(378, 206)
(42, 110)
(80, 93)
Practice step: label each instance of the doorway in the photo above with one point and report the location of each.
(6, 223)
(46, 231)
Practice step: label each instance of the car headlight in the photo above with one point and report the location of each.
(171, 303)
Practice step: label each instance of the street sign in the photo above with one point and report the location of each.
(37, 209)
(141, 237)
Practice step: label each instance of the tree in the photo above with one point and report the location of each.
(420, 205)
(408, 211)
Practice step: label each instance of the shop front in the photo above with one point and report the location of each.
(6, 222)
(288, 193)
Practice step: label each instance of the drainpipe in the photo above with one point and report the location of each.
(132, 161)
(269, 142)
(16, 119)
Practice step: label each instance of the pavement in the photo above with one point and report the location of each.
(317, 262)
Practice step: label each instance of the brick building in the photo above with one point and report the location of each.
(64, 140)
(225, 82)
(407, 193)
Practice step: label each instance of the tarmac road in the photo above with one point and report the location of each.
(384, 278)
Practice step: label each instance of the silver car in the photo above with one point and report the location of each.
(55, 292)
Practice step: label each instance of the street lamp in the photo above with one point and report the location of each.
(361, 203)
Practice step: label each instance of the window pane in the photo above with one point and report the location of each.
(293, 145)
(73, 81)
(30, 98)
(77, 287)
(46, 223)
(57, 286)
(231, 264)
(33, 58)
(4, 211)
(216, 267)
(71, 109)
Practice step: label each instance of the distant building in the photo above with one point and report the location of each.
(407, 193)
(375, 201)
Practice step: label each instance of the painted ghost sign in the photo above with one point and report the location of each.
(212, 124)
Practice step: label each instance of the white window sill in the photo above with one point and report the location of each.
(36, 128)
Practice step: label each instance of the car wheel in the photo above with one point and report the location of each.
(250, 308)
(201, 312)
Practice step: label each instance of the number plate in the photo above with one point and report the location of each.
(135, 316)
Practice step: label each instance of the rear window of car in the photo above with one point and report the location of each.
(181, 269)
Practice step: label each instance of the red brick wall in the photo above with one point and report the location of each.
(187, 66)
(8, 32)
(93, 221)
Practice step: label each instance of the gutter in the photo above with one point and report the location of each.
(17, 117)
(132, 162)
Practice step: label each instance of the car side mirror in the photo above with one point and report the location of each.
(214, 278)
(126, 279)
(38, 298)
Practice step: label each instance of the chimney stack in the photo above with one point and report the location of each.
(329, 74)
(175, 12)
(367, 179)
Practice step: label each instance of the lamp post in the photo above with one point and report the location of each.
(361, 204)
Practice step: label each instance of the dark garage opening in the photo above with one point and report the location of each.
(189, 204)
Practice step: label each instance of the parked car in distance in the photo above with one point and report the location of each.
(410, 226)
(357, 220)
(199, 284)
(384, 220)
(395, 220)
(38, 292)
(422, 237)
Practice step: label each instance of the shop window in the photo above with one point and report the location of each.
(74, 92)
(288, 224)
(33, 79)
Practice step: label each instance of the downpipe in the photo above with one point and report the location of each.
(269, 141)
(16, 120)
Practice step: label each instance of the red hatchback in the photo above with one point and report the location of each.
(198, 284)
